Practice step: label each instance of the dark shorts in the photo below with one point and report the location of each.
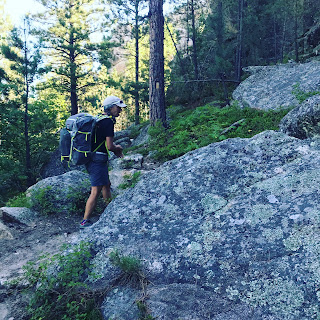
(98, 170)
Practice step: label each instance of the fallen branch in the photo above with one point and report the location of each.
(233, 126)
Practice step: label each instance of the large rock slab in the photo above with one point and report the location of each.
(20, 215)
(271, 87)
(143, 137)
(239, 218)
(304, 121)
(176, 301)
(66, 193)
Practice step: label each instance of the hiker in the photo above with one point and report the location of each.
(98, 166)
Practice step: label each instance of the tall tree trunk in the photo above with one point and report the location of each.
(73, 77)
(156, 64)
(187, 27)
(26, 115)
(26, 138)
(275, 43)
(283, 40)
(239, 40)
(73, 92)
(296, 45)
(136, 98)
(194, 43)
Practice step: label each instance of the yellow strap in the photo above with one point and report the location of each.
(95, 150)
(86, 133)
(107, 148)
(85, 152)
(101, 117)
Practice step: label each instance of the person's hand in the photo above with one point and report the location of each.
(118, 151)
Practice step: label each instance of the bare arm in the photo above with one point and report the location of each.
(116, 149)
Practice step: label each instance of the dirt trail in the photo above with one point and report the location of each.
(28, 243)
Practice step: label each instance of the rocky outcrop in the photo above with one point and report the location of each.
(239, 218)
(19, 215)
(65, 193)
(271, 87)
(311, 42)
(68, 192)
(304, 121)
(142, 138)
(177, 301)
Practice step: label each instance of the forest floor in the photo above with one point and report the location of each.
(28, 244)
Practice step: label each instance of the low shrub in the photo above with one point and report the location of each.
(58, 288)
(130, 180)
(303, 95)
(192, 129)
(20, 200)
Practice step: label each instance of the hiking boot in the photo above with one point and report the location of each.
(85, 224)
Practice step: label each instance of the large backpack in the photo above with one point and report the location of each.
(76, 138)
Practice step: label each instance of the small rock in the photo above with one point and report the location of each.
(5, 232)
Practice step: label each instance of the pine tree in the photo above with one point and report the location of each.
(24, 65)
(131, 14)
(67, 27)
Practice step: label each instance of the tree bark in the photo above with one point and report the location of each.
(137, 109)
(296, 45)
(73, 77)
(156, 63)
(239, 44)
(26, 115)
(194, 44)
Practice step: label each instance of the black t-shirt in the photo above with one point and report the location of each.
(104, 128)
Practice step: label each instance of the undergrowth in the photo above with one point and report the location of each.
(130, 267)
(19, 200)
(192, 129)
(132, 274)
(130, 180)
(301, 95)
(58, 288)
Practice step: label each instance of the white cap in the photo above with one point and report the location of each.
(112, 100)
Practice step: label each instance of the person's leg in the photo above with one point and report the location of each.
(106, 193)
(92, 201)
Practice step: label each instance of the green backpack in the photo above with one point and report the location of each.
(76, 138)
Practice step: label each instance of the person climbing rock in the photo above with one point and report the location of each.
(98, 165)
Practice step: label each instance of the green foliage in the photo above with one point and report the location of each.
(132, 274)
(144, 312)
(192, 129)
(131, 269)
(43, 137)
(58, 288)
(136, 129)
(302, 95)
(127, 264)
(131, 180)
(20, 200)
(78, 197)
(41, 200)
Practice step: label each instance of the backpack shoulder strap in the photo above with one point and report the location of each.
(102, 116)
